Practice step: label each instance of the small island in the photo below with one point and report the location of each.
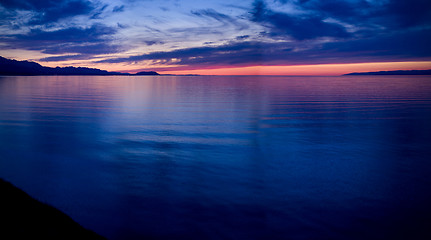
(397, 72)
(147, 73)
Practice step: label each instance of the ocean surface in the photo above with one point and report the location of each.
(212, 157)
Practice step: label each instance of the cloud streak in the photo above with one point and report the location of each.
(220, 17)
(407, 46)
(82, 43)
(299, 27)
(45, 12)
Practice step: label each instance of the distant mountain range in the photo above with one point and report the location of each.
(26, 68)
(12, 67)
(398, 72)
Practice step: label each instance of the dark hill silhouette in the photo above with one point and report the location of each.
(397, 72)
(23, 217)
(27, 68)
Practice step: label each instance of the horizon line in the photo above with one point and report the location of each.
(324, 69)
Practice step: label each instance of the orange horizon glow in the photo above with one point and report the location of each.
(307, 70)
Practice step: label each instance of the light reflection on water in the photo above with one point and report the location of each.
(224, 157)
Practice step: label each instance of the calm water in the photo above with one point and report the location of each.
(224, 157)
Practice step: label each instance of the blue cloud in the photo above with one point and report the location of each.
(118, 8)
(220, 17)
(405, 13)
(345, 10)
(202, 55)
(211, 13)
(298, 27)
(29, 4)
(96, 39)
(390, 47)
(66, 10)
(392, 14)
(95, 33)
(405, 45)
(52, 11)
(65, 58)
(242, 37)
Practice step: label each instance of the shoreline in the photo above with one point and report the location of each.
(24, 217)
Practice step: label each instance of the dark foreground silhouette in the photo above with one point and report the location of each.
(23, 217)
(11, 67)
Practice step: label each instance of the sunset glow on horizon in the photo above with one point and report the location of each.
(308, 70)
(215, 37)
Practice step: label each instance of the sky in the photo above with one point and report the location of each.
(247, 37)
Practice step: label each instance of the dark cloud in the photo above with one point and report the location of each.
(96, 39)
(391, 14)
(243, 37)
(122, 25)
(347, 11)
(200, 55)
(53, 10)
(153, 42)
(407, 13)
(29, 4)
(67, 9)
(118, 8)
(387, 47)
(232, 54)
(403, 45)
(65, 58)
(211, 13)
(220, 17)
(299, 27)
(95, 33)
(86, 48)
(97, 14)
(379, 30)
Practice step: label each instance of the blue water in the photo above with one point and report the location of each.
(169, 157)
